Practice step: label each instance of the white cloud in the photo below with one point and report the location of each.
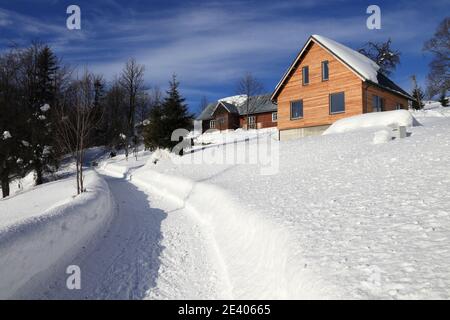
(215, 43)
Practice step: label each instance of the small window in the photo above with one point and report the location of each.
(251, 122)
(337, 103)
(399, 106)
(297, 109)
(378, 104)
(325, 71)
(305, 75)
(274, 116)
(212, 124)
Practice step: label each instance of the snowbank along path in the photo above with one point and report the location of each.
(36, 244)
(252, 255)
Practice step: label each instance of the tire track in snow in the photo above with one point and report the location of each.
(191, 265)
(124, 263)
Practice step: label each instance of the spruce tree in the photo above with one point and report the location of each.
(39, 70)
(13, 127)
(154, 130)
(418, 96)
(100, 130)
(443, 99)
(173, 114)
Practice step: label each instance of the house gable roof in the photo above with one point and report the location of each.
(362, 66)
(257, 104)
(231, 108)
(207, 112)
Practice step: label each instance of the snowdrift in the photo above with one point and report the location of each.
(391, 119)
(227, 136)
(31, 249)
(255, 252)
(432, 112)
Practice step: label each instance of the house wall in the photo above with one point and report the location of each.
(390, 100)
(315, 95)
(205, 125)
(230, 120)
(263, 120)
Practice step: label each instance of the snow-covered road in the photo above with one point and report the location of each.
(134, 261)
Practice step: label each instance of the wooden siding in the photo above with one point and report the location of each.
(263, 120)
(230, 120)
(315, 95)
(390, 99)
(205, 125)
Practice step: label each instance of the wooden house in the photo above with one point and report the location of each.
(328, 81)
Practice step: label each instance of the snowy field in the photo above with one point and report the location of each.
(347, 215)
(363, 220)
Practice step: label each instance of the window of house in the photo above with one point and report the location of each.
(399, 106)
(305, 75)
(212, 124)
(274, 116)
(377, 104)
(221, 120)
(325, 71)
(251, 122)
(297, 109)
(337, 102)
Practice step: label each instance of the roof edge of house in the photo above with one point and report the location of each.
(364, 79)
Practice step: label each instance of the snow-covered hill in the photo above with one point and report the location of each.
(343, 217)
(363, 220)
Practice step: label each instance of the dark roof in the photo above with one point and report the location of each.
(230, 107)
(257, 104)
(207, 112)
(388, 84)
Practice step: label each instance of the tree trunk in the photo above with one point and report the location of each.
(5, 183)
(81, 172)
(39, 175)
(78, 172)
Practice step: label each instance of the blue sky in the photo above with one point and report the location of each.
(210, 44)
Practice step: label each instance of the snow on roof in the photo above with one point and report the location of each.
(236, 100)
(359, 62)
(257, 104)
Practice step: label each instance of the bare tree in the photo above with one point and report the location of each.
(248, 85)
(77, 117)
(383, 55)
(115, 113)
(142, 106)
(156, 97)
(203, 105)
(439, 46)
(132, 80)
